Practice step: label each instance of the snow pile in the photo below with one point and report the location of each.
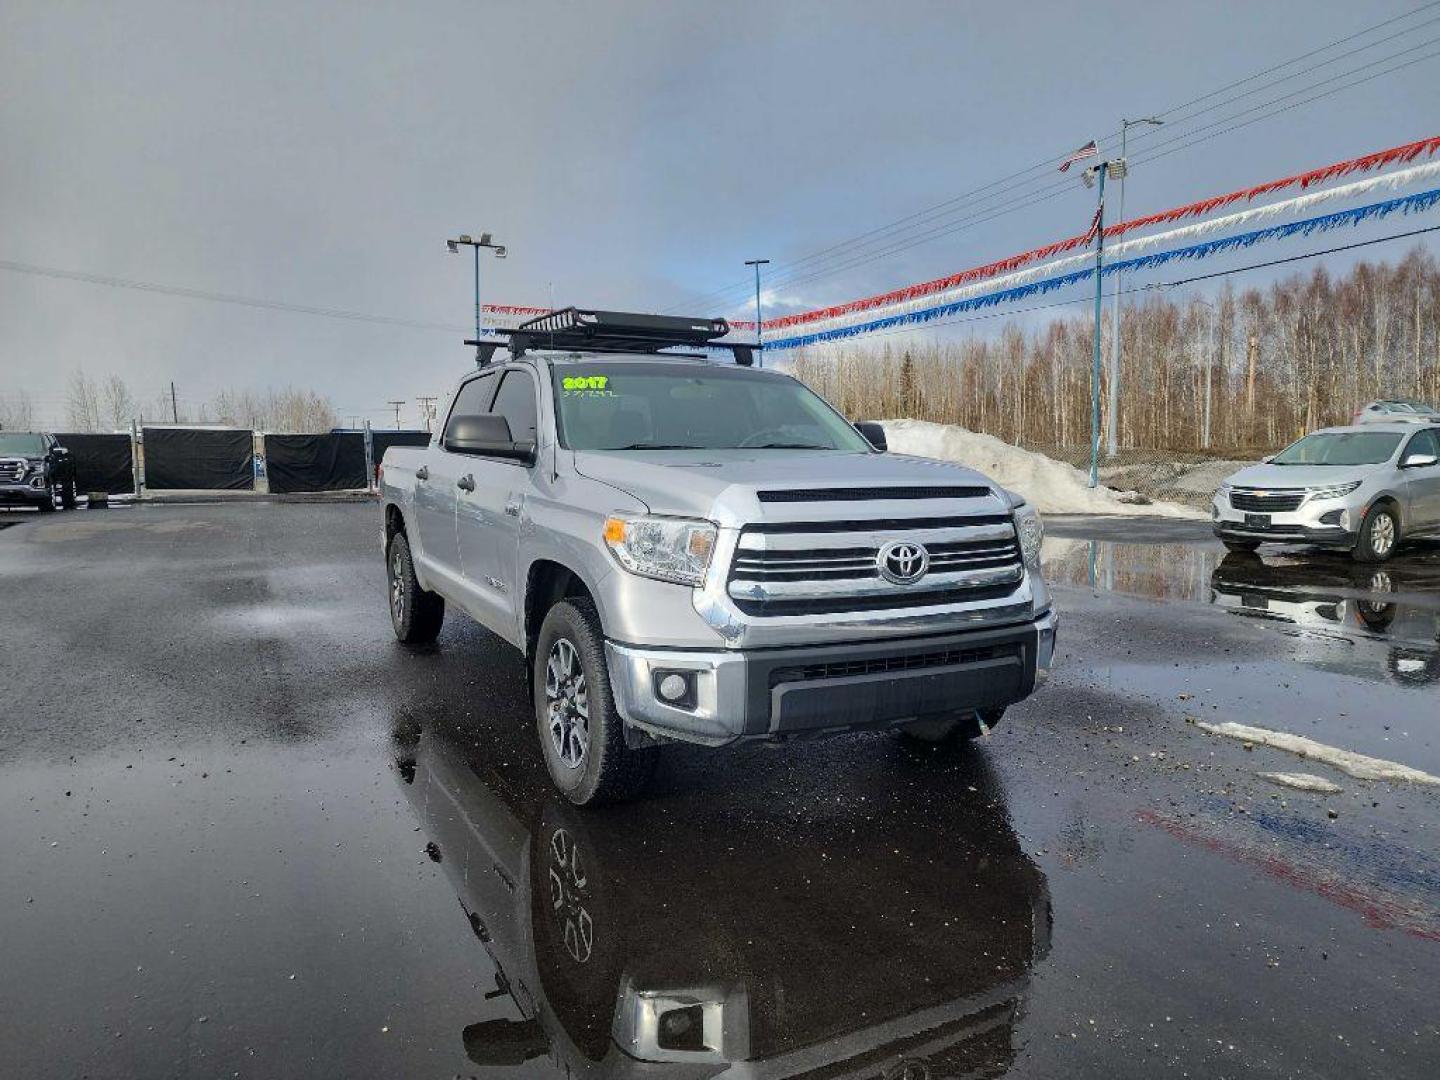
(1051, 486)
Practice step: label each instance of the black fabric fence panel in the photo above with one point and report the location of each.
(196, 458)
(334, 462)
(102, 462)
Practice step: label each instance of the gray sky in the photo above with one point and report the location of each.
(631, 154)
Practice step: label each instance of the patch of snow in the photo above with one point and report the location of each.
(1302, 781)
(1357, 765)
(1052, 487)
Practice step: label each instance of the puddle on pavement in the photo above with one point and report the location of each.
(1378, 622)
(637, 933)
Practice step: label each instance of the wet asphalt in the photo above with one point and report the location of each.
(244, 833)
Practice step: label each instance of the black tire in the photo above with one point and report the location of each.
(1241, 546)
(944, 730)
(586, 753)
(47, 506)
(415, 613)
(67, 495)
(1378, 540)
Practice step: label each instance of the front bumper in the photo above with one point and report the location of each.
(26, 492)
(1324, 522)
(797, 690)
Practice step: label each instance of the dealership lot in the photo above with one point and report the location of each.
(236, 818)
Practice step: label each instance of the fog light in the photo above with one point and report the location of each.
(676, 688)
(683, 1028)
(1331, 518)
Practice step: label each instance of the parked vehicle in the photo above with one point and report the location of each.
(693, 551)
(35, 470)
(1366, 488)
(1398, 410)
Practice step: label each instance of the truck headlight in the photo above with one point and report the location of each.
(1031, 531)
(666, 549)
(1335, 491)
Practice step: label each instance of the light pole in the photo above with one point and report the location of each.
(1115, 168)
(1112, 440)
(454, 246)
(759, 327)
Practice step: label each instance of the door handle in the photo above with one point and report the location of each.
(513, 508)
(466, 483)
(422, 473)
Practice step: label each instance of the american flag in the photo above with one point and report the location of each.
(1089, 150)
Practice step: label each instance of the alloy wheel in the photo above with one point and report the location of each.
(567, 705)
(397, 586)
(1382, 534)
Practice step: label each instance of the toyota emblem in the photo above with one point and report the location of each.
(902, 562)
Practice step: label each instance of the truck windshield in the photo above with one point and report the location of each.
(16, 442)
(1340, 448)
(693, 406)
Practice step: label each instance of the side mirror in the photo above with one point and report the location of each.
(874, 434)
(488, 436)
(60, 451)
(1267, 459)
(1418, 461)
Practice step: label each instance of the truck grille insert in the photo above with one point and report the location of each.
(1258, 501)
(832, 567)
(11, 471)
(869, 494)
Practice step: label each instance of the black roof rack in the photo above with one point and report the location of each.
(620, 332)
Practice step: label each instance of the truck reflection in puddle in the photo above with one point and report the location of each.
(868, 939)
(1322, 595)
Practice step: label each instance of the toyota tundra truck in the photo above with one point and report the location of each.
(690, 550)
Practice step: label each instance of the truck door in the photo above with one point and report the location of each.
(436, 480)
(1423, 484)
(489, 516)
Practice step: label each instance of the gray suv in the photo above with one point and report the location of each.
(693, 551)
(1365, 488)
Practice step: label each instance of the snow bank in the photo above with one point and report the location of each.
(1052, 486)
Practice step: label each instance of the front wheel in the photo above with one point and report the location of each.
(47, 505)
(415, 613)
(1379, 534)
(581, 733)
(67, 495)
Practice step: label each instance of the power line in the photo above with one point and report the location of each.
(788, 273)
(222, 298)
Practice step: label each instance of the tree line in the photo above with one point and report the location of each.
(109, 405)
(1242, 370)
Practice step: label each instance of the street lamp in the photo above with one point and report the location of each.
(454, 246)
(1112, 442)
(759, 327)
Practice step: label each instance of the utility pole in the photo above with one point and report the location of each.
(1102, 169)
(759, 325)
(1112, 439)
(397, 405)
(454, 246)
(427, 409)
(174, 408)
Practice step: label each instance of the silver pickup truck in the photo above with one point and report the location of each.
(695, 551)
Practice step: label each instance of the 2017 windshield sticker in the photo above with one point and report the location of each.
(586, 384)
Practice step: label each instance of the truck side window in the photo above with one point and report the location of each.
(473, 399)
(516, 403)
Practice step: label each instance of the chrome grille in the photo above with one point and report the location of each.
(12, 470)
(1267, 500)
(819, 568)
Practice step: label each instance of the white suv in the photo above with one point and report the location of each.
(1363, 488)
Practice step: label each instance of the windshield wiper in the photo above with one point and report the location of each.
(654, 446)
(787, 446)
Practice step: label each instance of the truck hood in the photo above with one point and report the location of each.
(1298, 476)
(692, 482)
